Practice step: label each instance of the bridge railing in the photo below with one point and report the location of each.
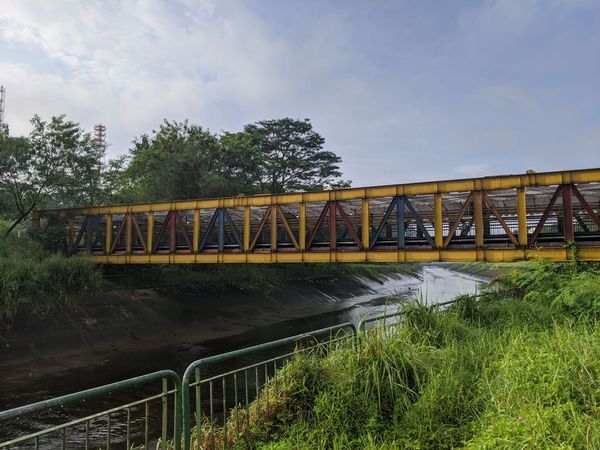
(492, 218)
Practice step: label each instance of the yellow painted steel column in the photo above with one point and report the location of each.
(108, 233)
(365, 224)
(478, 202)
(128, 233)
(196, 231)
(35, 220)
(522, 216)
(71, 236)
(438, 223)
(302, 227)
(273, 228)
(246, 243)
(149, 232)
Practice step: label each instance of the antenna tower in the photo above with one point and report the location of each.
(100, 139)
(2, 96)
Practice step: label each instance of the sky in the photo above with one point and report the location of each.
(403, 91)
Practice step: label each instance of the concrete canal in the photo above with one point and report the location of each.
(56, 363)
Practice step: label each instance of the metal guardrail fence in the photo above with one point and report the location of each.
(248, 379)
(97, 429)
(396, 316)
(219, 393)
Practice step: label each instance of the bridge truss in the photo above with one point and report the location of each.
(501, 218)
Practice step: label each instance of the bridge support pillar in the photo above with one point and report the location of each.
(522, 216)
(400, 223)
(108, 234)
(273, 228)
(302, 226)
(365, 232)
(438, 224)
(128, 218)
(196, 231)
(479, 228)
(246, 236)
(568, 213)
(332, 205)
(149, 232)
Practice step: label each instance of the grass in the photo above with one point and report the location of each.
(517, 367)
(35, 280)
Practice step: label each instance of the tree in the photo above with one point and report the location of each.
(242, 162)
(117, 186)
(183, 161)
(55, 165)
(293, 157)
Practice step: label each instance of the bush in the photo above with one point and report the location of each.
(580, 296)
(34, 279)
(53, 237)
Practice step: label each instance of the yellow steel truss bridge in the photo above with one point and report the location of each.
(501, 218)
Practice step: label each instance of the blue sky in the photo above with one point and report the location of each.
(403, 91)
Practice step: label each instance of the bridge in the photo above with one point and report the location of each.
(500, 218)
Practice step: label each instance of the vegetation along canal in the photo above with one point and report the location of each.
(210, 325)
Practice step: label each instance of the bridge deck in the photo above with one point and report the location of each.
(502, 218)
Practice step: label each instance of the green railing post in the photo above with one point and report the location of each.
(165, 412)
(193, 370)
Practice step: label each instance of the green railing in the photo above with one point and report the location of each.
(242, 384)
(97, 430)
(219, 390)
(382, 320)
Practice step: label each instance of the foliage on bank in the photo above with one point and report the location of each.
(38, 281)
(517, 367)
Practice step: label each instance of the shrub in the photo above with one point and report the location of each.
(34, 279)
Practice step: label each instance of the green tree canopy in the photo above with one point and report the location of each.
(56, 165)
(182, 161)
(292, 156)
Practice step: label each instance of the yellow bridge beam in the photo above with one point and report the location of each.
(455, 220)
(503, 182)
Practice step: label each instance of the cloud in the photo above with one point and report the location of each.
(131, 67)
(403, 92)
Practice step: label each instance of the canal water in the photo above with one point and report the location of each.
(431, 284)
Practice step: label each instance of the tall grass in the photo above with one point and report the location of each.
(518, 367)
(37, 281)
